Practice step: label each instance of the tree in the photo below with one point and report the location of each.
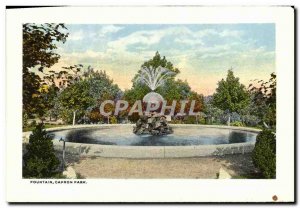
(157, 61)
(230, 94)
(213, 113)
(31, 86)
(86, 95)
(139, 90)
(263, 94)
(76, 99)
(136, 93)
(49, 100)
(180, 90)
(175, 90)
(39, 41)
(40, 160)
(102, 88)
(171, 90)
(100, 84)
(199, 101)
(154, 63)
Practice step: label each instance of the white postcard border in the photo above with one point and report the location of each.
(154, 190)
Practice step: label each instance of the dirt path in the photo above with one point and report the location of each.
(202, 167)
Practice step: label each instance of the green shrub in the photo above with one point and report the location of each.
(201, 120)
(264, 153)
(237, 123)
(190, 120)
(40, 161)
(113, 120)
(250, 120)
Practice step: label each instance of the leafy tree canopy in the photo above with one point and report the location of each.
(230, 94)
(157, 61)
(263, 94)
(171, 90)
(175, 90)
(139, 90)
(77, 96)
(39, 42)
(86, 94)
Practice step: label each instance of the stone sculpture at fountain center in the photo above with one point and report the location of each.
(153, 123)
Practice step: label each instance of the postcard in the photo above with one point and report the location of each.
(150, 104)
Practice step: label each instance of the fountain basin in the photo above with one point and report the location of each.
(183, 135)
(185, 142)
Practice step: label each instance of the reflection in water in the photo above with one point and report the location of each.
(122, 135)
(149, 141)
(237, 137)
(84, 136)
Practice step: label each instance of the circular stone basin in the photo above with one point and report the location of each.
(184, 135)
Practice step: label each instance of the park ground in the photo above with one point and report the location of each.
(239, 166)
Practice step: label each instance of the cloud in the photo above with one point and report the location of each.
(172, 38)
(140, 37)
(107, 29)
(103, 32)
(202, 55)
(76, 36)
(231, 33)
(189, 41)
(197, 37)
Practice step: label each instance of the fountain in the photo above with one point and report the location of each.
(152, 137)
(152, 122)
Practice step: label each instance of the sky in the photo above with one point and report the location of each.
(203, 52)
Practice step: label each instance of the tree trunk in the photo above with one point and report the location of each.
(74, 117)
